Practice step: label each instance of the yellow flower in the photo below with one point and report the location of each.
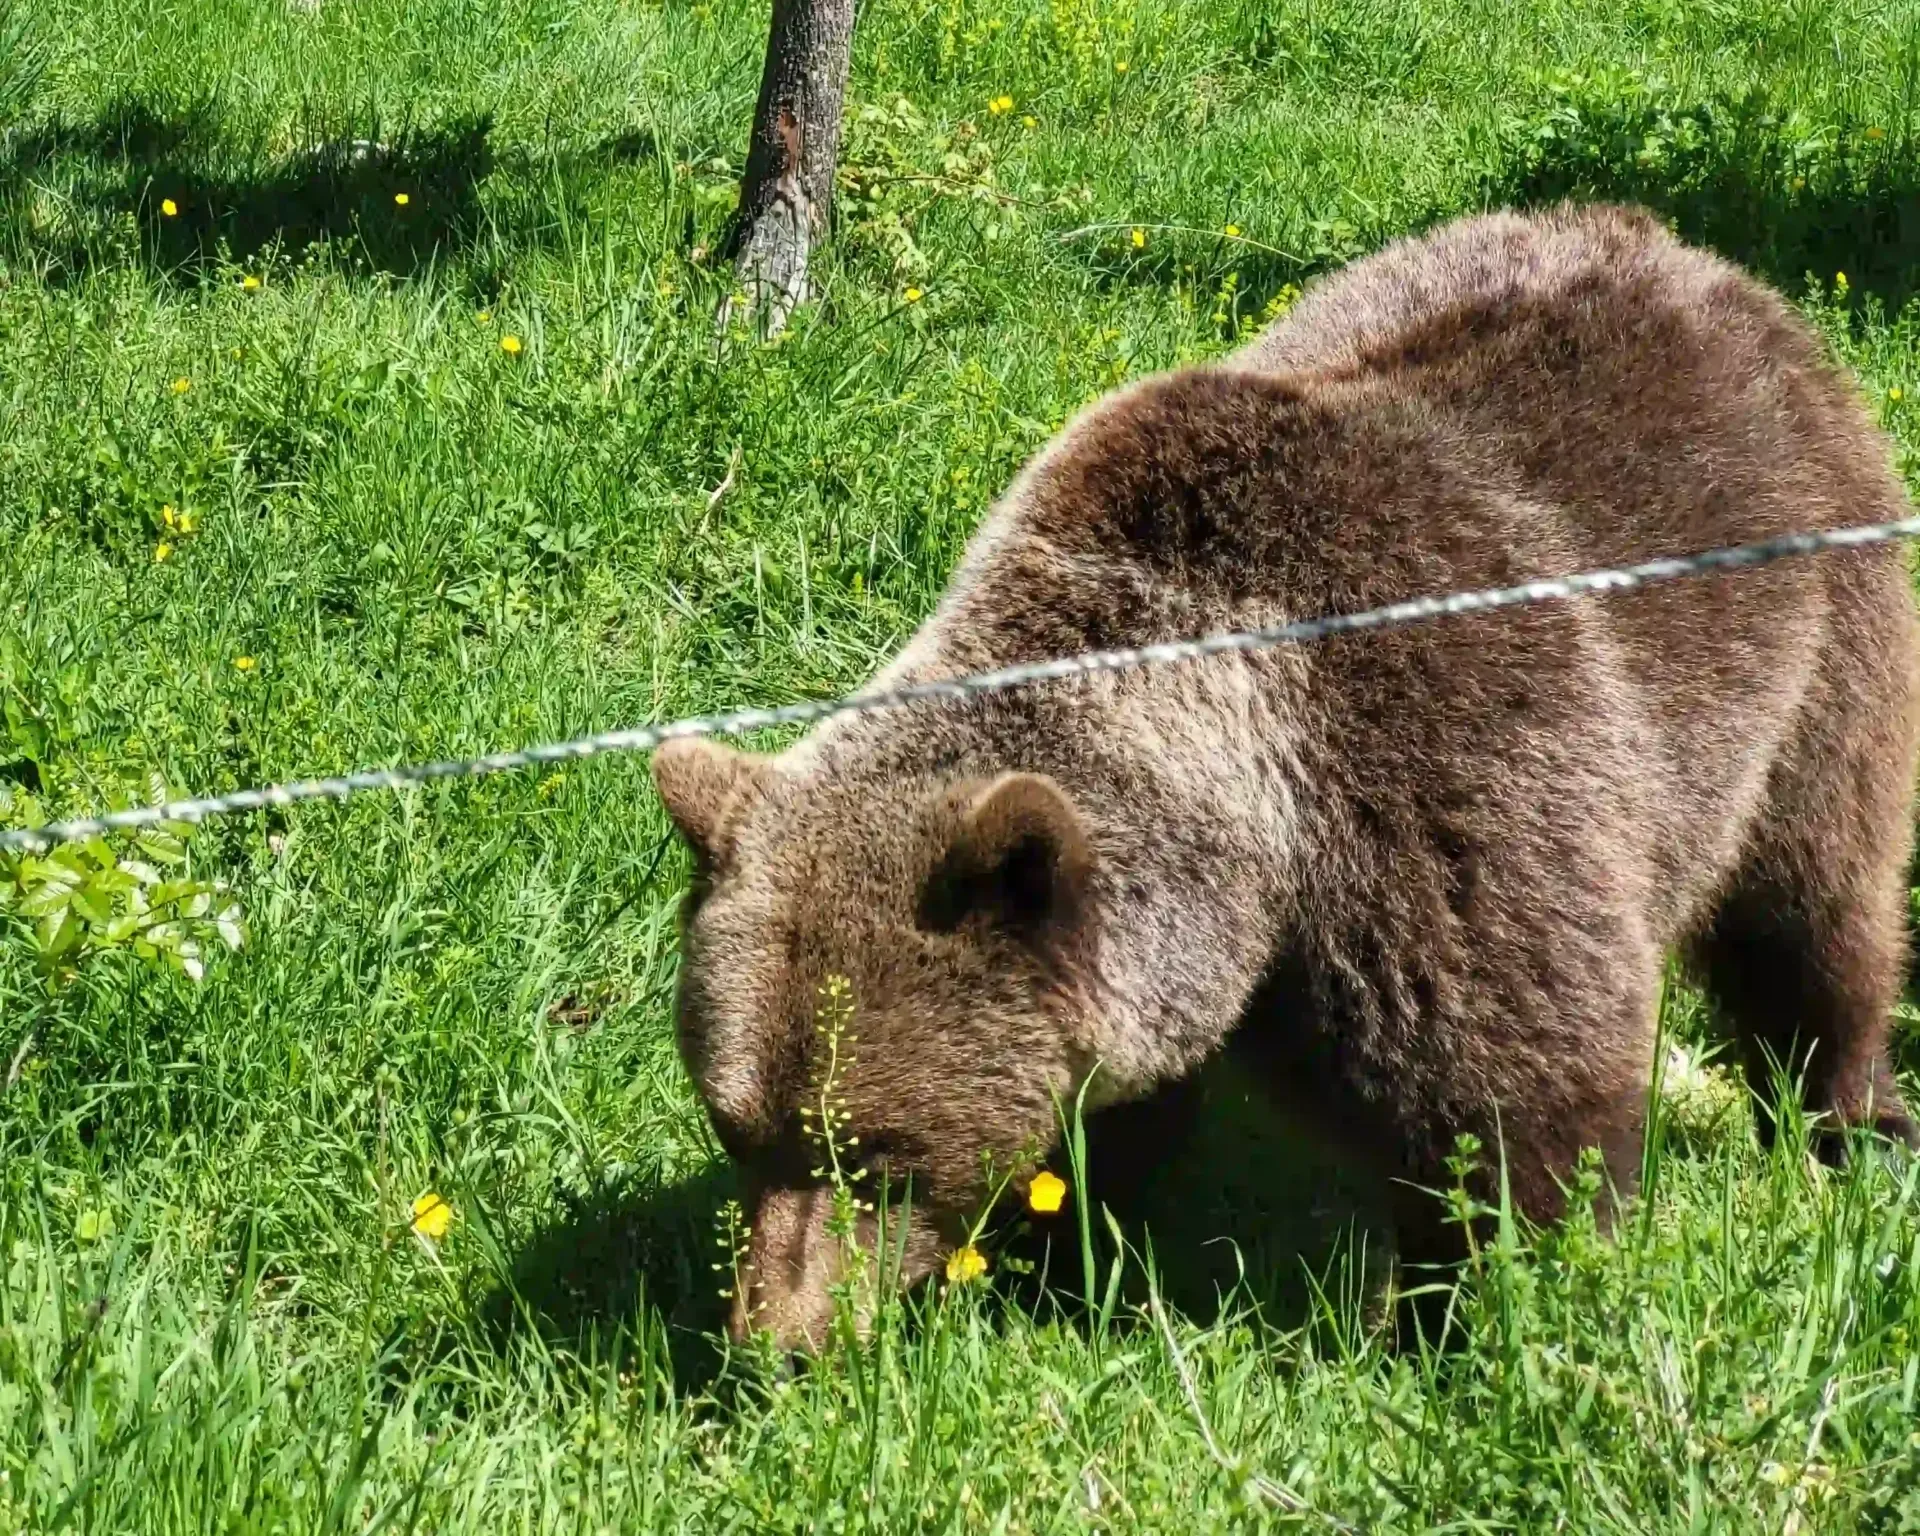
(161, 551)
(485, 317)
(1046, 1192)
(432, 1215)
(1895, 395)
(1876, 133)
(400, 199)
(913, 295)
(182, 385)
(1139, 239)
(167, 514)
(1840, 281)
(1029, 122)
(249, 282)
(1120, 68)
(966, 1263)
(188, 522)
(510, 345)
(169, 207)
(1000, 105)
(1233, 231)
(243, 663)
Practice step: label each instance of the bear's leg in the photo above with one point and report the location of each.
(1804, 962)
(1540, 1143)
(1805, 954)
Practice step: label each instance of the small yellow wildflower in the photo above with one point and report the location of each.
(1029, 121)
(510, 345)
(966, 1263)
(168, 515)
(400, 199)
(182, 385)
(1840, 281)
(1000, 105)
(169, 207)
(1139, 239)
(249, 282)
(188, 522)
(161, 551)
(432, 1215)
(243, 663)
(1120, 68)
(1233, 231)
(485, 317)
(1896, 394)
(1876, 133)
(913, 295)
(1046, 1192)
(235, 353)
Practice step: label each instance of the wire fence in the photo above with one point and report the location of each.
(806, 712)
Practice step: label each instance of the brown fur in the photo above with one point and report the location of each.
(1427, 877)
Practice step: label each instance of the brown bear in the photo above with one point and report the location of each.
(1426, 877)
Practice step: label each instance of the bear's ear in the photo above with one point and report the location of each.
(1019, 861)
(697, 779)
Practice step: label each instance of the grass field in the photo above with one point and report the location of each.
(315, 455)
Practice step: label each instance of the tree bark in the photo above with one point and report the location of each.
(786, 196)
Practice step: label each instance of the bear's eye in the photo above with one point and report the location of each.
(887, 1162)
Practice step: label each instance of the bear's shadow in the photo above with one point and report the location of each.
(613, 1268)
(1239, 1211)
(1231, 1203)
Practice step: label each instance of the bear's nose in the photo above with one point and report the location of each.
(785, 1283)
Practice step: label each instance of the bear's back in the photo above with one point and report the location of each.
(1491, 265)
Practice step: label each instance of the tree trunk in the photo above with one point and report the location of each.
(787, 193)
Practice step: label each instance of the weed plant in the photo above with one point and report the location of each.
(360, 401)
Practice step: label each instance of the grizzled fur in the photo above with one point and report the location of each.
(1425, 877)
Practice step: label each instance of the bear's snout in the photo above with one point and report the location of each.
(795, 1261)
(785, 1284)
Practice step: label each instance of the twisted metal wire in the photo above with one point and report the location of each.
(805, 712)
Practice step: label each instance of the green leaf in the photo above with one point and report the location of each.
(58, 932)
(93, 903)
(161, 845)
(232, 930)
(48, 888)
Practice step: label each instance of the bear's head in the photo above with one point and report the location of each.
(902, 952)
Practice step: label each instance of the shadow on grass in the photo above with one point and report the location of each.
(588, 1278)
(1737, 173)
(1232, 1203)
(390, 198)
(1233, 1207)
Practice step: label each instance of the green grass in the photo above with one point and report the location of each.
(213, 1317)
